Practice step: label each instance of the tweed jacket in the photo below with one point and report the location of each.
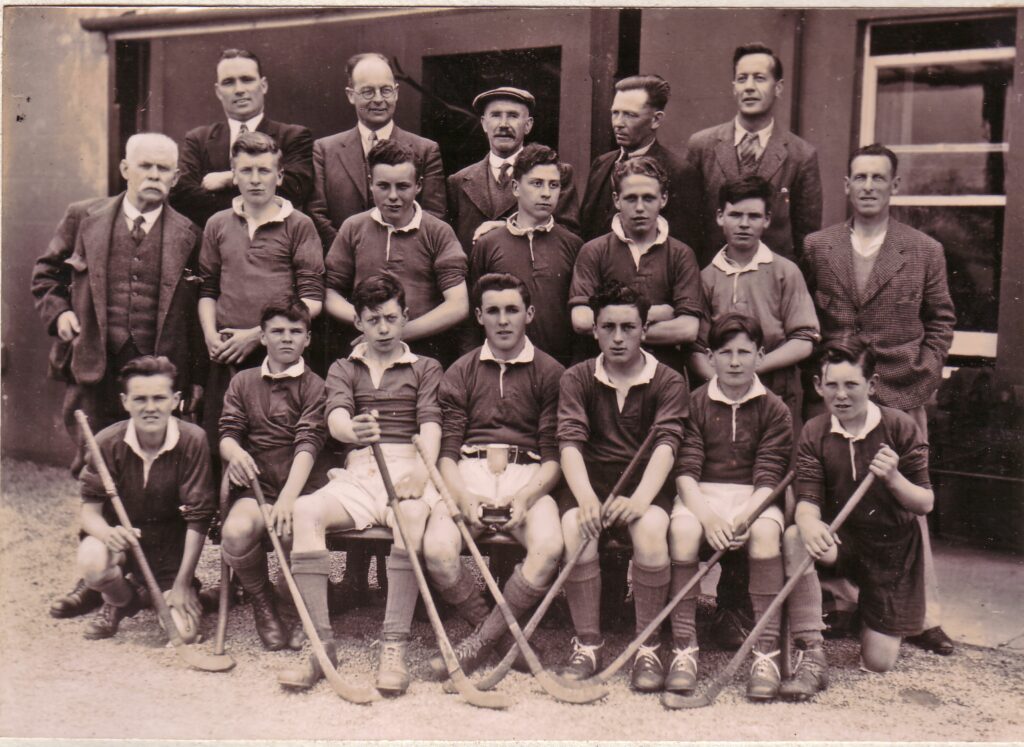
(906, 313)
(681, 211)
(470, 204)
(71, 275)
(206, 149)
(341, 186)
(788, 162)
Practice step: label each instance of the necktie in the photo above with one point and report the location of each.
(504, 174)
(137, 233)
(746, 152)
(242, 128)
(372, 140)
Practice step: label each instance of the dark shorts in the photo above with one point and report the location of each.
(888, 566)
(603, 478)
(275, 464)
(163, 548)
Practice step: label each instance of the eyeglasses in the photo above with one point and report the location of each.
(367, 94)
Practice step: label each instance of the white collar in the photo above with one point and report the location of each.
(716, 394)
(384, 133)
(251, 124)
(525, 355)
(148, 218)
(170, 440)
(514, 228)
(644, 377)
(633, 247)
(284, 209)
(641, 151)
(874, 417)
(762, 256)
(412, 225)
(293, 371)
(762, 135)
(359, 354)
(497, 161)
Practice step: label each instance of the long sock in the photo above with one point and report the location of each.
(805, 610)
(767, 577)
(650, 593)
(466, 597)
(311, 570)
(684, 616)
(113, 586)
(402, 594)
(733, 582)
(251, 567)
(583, 592)
(520, 595)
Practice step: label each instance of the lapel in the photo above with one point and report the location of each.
(474, 184)
(725, 151)
(603, 172)
(840, 259)
(774, 154)
(890, 261)
(177, 243)
(268, 127)
(217, 144)
(96, 233)
(350, 153)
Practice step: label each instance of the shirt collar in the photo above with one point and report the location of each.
(170, 439)
(513, 225)
(662, 232)
(293, 371)
(148, 218)
(641, 151)
(762, 256)
(716, 394)
(644, 377)
(762, 135)
(525, 355)
(384, 133)
(359, 354)
(284, 209)
(496, 161)
(412, 225)
(871, 248)
(871, 422)
(251, 124)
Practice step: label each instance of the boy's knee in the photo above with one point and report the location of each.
(765, 539)
(793, 550)
(241, 530)
(441, 548)
(650, 539)
(547, 546)
(878, 651)
(684, 537)
(95, 562)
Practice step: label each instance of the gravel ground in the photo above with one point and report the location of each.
(55, 684)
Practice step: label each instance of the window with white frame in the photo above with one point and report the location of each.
(935, 92)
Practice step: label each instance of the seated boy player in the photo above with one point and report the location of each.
(382, 393)
(499, 401)
(738, 443)
(161, 469)
(606, 408)
(271, 428)
(879, 546)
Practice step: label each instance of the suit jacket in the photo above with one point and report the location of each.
(906, 313)
(206, 149)
(788, 162)
(681, 211)
(469, 201)
(341, 186)
(71, 275)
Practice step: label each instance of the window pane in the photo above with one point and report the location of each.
(943, 36)
(952, 173)
(973, 240)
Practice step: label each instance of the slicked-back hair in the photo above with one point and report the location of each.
(148, 365)
(875, 149)
(534, 155)
(614, 293)
(757, 48)
(730, 325)
(657, 89)
(376, 291)
(849, 348)
(391, 153)
(355, 59)
(642, 166)
(499, 281)
(230, 54)
(290, 308)
(746, 188)
(255, 144)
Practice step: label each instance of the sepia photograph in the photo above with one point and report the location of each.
(501, 374)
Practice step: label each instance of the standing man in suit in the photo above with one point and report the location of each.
(638, 110)
(341, 181)
(206, 185)
(754, 143)
(885, 281)
(482, 193)
(117, 281)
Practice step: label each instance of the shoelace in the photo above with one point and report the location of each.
(763, 661)
(390, 655)
(648, 652)
(684, 657)
(582, 651)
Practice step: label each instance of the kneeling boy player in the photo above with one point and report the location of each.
(382, 393)
(500, 408)
(738, 443)
(161, 469)
(879, 546)
(272, 427)
(606, 408)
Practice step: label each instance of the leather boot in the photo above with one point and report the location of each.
(107, 620)
(810, 675)
(471, 652)
(268, 624)
(307, 674)
(392, 673)
(76, 602)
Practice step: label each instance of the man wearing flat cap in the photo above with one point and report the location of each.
(482, 192)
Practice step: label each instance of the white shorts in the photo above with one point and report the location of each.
(360, 489)
(497, 489)
(728, 500)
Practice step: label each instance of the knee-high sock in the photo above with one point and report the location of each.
(767, 578)
(466, 597)
(733, 583)
(113, 586)
(251, 567)
(583, 592)
(402, 594)
(650, 593)
(310, 570)
(520, 595)
(684, 616)
(805, 610)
